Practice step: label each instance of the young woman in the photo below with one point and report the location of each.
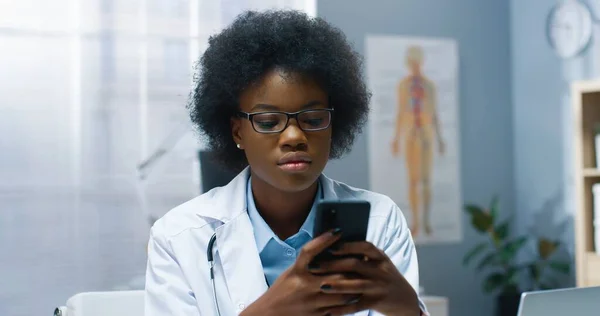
(278, 95)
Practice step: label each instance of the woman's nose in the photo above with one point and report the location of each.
(293, 135)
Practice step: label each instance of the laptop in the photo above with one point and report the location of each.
(561, 302)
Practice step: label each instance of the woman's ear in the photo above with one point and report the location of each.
(236, 131)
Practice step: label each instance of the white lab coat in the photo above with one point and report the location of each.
(177, 277)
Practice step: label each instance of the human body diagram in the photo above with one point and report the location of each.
(416, 130)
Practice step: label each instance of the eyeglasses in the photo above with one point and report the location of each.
(276, 121)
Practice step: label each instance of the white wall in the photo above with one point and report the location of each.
(89, 89)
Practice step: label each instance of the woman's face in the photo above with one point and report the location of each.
(293, 159)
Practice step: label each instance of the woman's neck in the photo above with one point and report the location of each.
(284, 212)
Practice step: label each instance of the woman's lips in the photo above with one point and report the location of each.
(296, 161)
(295, 166)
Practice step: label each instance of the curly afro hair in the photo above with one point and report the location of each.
(256, 43)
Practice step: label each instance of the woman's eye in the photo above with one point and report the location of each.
(267, 124)
(314, 122)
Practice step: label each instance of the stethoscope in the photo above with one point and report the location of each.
(211, 263)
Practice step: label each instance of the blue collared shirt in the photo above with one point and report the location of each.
(277, 255)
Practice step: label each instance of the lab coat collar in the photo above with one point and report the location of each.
(228, 201)
(235, 243)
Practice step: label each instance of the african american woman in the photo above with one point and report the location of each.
(279, 94)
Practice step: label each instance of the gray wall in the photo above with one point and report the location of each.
(543, 128)
(482, 31)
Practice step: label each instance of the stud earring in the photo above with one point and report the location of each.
(239, 146)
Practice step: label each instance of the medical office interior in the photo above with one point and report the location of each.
(96, 143)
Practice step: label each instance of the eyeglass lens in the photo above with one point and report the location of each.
(276, 122)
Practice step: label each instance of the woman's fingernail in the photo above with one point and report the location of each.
(325, 287)
(353, 301)
(336, 231)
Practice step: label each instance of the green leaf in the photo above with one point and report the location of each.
(563, 267)
(512, 278)
(473, 209)
(482, 222)
(510, 249)
(547, 247)
(534, 270)
(494, 208)
(489, 259)
(492, 282)
(474, 252)
(502, 231)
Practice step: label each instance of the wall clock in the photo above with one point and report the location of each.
(569, 28)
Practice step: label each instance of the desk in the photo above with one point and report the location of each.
(436, 305)
(131, 303)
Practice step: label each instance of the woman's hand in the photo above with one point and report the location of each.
(297, 291)
(377, 280)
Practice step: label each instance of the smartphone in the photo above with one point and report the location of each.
(351, 216)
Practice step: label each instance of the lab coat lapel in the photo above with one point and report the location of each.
(236, 245)
(241, 262)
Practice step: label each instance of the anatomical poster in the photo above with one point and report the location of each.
(413, 135)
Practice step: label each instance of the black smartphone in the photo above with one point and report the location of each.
(351, 216)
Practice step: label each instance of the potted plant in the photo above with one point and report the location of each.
(498, 254)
